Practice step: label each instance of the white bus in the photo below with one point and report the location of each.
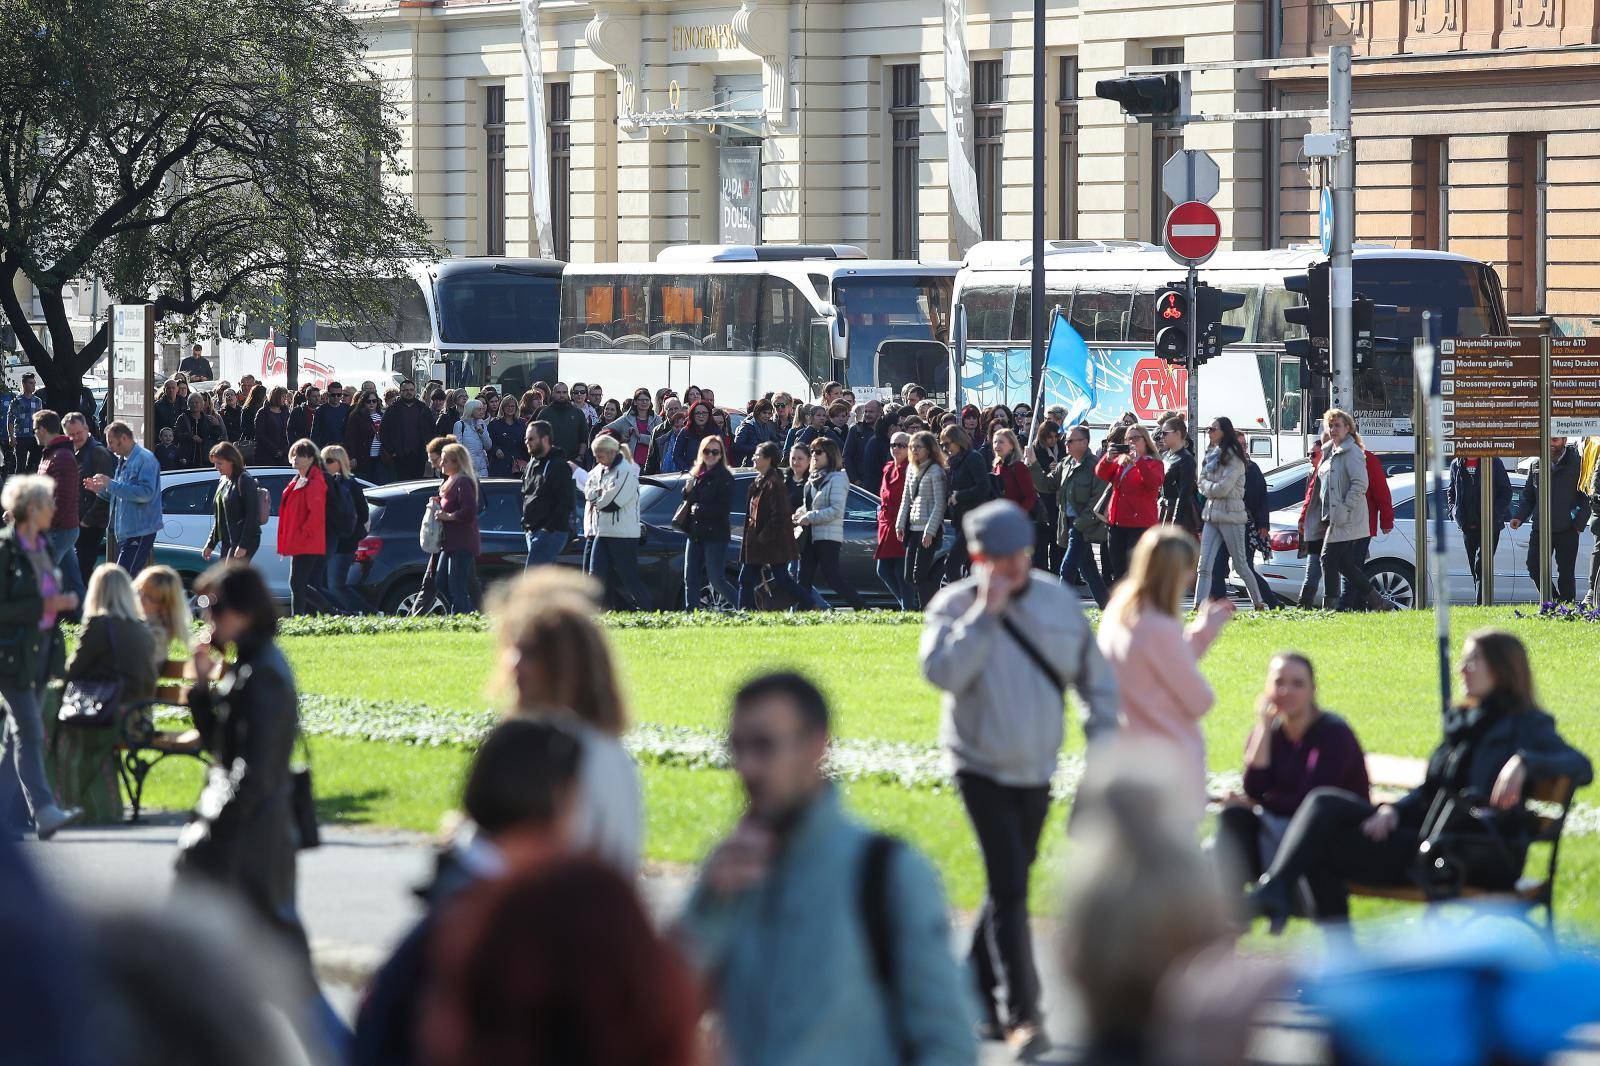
(1108, 291)
(746, 320)
(470, 321)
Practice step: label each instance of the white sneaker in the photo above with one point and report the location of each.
(52, 820)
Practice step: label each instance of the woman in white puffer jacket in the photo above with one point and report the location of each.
(1222, 485)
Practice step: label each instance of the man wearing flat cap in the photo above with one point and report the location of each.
(1004, 645)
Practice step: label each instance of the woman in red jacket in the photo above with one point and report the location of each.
(891, 550)
(302, 529)
(1011, 473)
(1135, 475)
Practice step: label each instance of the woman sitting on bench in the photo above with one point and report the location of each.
(1494, 743)
(1295, 748)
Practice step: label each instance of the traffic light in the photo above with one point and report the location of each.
(1361, 313)
(1171, 328)
(1314, 349)
(1213, 303)
(1148, 94)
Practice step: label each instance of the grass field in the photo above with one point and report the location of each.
(1379, 672)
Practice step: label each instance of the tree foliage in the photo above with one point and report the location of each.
(197, 155)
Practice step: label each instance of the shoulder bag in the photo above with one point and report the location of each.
(431, 536)
(92, 703)
(683, 517)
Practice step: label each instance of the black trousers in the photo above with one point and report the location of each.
(307, 574)
(823, 555)
(1119, 549)
(1343, 559)
(921, 581)
(1564, 546)
(91, 549)
(1325, 845)
(28, 453)
(1007, 821)
(1238, 845)
(1472, 540)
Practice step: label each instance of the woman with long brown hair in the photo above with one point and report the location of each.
(768, 547)
(708, 492)
(920, 521)
(821, 515)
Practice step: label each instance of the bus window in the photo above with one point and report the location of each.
(1244, 316)
(629, 327)
(497, 307)
(1102, 316)
(1291, 399)
(732, 301)
(405, 321)
(1142, 323)
(1272, 329)
(1462, 302)
(783, 325)
(1022, 314)
(889, 308)
(677, 312)
(989, 311)
(588, 306)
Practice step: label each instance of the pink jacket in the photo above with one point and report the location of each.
(1164, 695)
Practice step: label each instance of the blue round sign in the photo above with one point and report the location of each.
(1325, 221)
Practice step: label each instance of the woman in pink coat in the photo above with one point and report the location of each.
(1157, 659)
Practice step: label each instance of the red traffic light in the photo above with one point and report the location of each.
(1170, 306)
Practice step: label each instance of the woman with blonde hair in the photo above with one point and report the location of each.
(1337, 514)
(920, 521)
(164, 606)
(1013, 479)
(553, 654)
(347, 524)
(1157, 659)
(1135, 472)
(458, 510)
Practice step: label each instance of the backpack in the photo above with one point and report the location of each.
(874, 903)
(341, 513)
(263, 506)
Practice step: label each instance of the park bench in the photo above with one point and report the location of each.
(1548, 802)
(143, 744)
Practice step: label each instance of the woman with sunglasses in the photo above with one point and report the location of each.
(362, 441)
(708, 492)
(890, 553)
(821, 515)
(1222, 485)
(768, 548)
(1135, 474)
(1180, 486)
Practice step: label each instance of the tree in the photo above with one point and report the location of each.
(197, 155)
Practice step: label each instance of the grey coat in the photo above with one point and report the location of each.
(1338, 510)
(923, 502)
(1222, 484)
(824, 506)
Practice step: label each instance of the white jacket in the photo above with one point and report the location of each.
(612, 493)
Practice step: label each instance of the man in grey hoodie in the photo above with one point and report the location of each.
(1004, 645)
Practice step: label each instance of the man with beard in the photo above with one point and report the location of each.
(403, 434)
(569, 424)
(548, 498)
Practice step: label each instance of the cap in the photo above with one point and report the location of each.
(998, 528)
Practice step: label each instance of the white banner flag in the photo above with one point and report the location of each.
(965, 219)
(538, 134)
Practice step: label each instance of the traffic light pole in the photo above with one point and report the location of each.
(1036, 305)
(1341, 276)
(1192, 287)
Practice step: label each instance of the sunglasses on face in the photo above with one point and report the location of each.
(892, 446)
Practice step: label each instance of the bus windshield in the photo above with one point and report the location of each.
(890, 308)
(497, 307)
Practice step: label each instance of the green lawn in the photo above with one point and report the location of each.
(1379, 672)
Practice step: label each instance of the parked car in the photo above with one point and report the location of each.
(1391, 558)
(390, 562)
(1286, 485)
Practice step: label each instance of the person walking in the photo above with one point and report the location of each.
(1464, 498)
(348, 517)
(272, 432)
(1180, 486)
(403, 433)
(1257, 534)
(94, 512)
(1013, 479)
(31, 648)
(1221, 482)
(548, 497)
(235, 508)
(1569, 510)
(970, 486)
(1081, 526)
(1136, 477)
(1041, 456)
(889, 554)
(458, 510)
(920, 521)
(134, 493)
(1156, 659)
(303, 530)
(1337, 515)
(58, 463)
(708, 495)
(821, 519)
(823, 941)
(768, 546)
(612, 494)
(1003, 646)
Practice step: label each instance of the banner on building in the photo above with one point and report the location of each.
(541, 231)
(965, 219)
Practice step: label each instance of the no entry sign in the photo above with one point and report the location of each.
(1192, 232)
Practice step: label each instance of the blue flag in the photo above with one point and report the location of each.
(1068, 378)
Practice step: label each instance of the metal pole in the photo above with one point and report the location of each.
(1545, 471)
(1441, 580)
(1486, 531)
(1036, 307)
(1419, 492)
(1193, 282)
(1341, 282)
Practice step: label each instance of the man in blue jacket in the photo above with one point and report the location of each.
(135, 496)
(1466, 508)
(822, 942)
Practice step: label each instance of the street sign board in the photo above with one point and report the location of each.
(1575, 386)
(1325, 221)
(1491, 396)
(1192, 232)
(1190, 174)
(132, 365)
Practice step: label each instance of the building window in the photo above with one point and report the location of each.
(1166, 140)
(1430, 226)
(989, 126)
(560, 118)
(1530, 161)
(1067, 150)
(494, 183)
(905, 121)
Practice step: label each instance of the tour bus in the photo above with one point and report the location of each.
(468, 321)
(745, 320)
(1108, 290)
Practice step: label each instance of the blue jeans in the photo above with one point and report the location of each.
(891, 572)
(750, 577)
(1080, 557)
(705, 562)
(544, 547)
(133, 554)
(614, 562)
(338, 588)
(64, 550)
(458, 571)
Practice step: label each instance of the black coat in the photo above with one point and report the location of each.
(116, 649)
(207, 428)
(232, 422)
(300, 422)
(95, 458)
(1464, 499)
(970, 483)
(508, 442)
(856, 439)
(22, 642)
(1564, 494)
(327, 427)
(1179, 504)
(710, 497)
(272, 438)
(875, 455)
(235, 515)
(549, 498)
(242, 835)
(406, 428)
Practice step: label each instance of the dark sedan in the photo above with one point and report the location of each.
(391, 562)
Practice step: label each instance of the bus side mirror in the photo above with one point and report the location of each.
(839, 338)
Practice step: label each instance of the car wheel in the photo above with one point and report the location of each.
(1395, 582)
(403, 601)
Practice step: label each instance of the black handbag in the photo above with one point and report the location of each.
(93, 702)
(682, 518)
(302, 798)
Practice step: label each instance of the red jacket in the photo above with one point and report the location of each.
(1016, 484)
(1134, 490)
(60, 465)
(1380, 505)
(890, 489)
(303, 516)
